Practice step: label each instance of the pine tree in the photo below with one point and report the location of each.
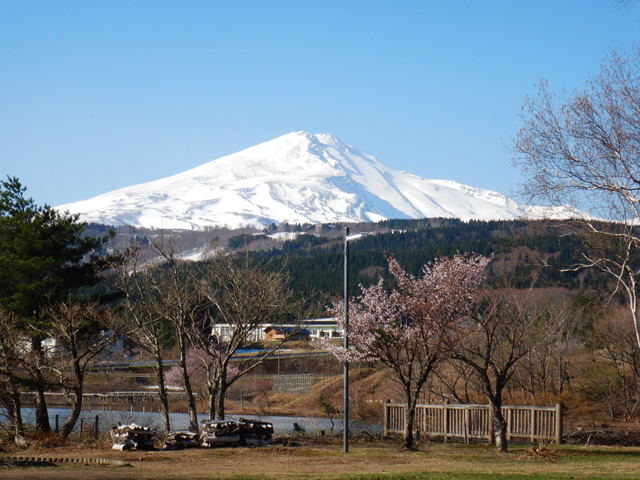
(43, 258)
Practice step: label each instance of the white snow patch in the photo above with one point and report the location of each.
(284, 236)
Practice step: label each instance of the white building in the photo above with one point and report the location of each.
(317, 327)
(323, 328)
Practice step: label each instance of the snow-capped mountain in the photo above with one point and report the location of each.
(295, 178)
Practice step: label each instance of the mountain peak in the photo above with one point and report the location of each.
(296, 178)
(329, 139)
(305, 138)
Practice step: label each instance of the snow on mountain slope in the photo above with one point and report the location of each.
(295, 178)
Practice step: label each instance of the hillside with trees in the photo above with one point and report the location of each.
(539, 329)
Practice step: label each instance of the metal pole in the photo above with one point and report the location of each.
(345, 334)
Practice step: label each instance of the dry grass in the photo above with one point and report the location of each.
(365, 461)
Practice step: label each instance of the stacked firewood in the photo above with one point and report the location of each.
(246, 432)
(215, 432)
(181, 440)
(256, 433)
(130, 436)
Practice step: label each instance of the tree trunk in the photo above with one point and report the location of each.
(74, 414)
(409, 421)
(212, 390)
(42, 413)
(191, 402)
(11, 401)
(499, 425)
(495, 404)
(162, 393)
(222, 392)
(633, 307)
(16, 415)
(76, 402)
(212, 404)
(408, 429)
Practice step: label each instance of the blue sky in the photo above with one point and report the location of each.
(98, 95)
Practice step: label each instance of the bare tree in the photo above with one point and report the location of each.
(551, 366)
(455, 380)
(243, 295)
(79, 331)
(205, 365)
(583, 150)
(10, 351)
(139, 319)
(616, 344)
(35, 356)
(178, 301)
(500, 332)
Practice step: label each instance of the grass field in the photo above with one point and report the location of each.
(375, 461)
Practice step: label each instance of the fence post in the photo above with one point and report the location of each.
(386, 417)
(509, 423)
(81, 426)
(57, 429)
(97, 430)
(558, 423)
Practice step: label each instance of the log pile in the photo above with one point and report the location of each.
(219, 432)
(130, 436)
(256, 433)
(246, 432)
(177, 440)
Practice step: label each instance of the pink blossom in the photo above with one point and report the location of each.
(416, 314)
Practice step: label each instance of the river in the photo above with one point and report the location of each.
(180, 421)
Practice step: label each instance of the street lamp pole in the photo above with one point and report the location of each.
(345, 334)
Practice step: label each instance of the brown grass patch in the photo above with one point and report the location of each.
(327, 462)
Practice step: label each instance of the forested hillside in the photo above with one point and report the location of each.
(520, 249)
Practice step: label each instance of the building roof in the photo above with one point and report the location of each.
(287, 330)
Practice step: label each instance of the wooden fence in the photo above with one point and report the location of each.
(467, 422)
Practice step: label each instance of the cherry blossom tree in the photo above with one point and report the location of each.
(410, 329)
